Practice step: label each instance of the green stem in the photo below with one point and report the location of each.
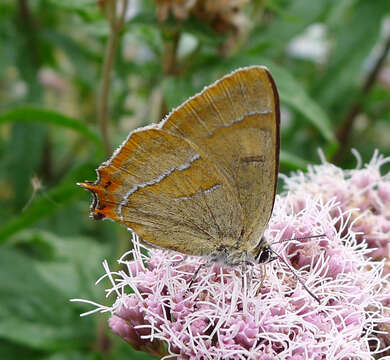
(116, 24)
(345, 129)
(170, 43)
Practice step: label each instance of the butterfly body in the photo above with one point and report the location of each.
(203, 181)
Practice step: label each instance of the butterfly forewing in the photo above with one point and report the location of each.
(159, 186)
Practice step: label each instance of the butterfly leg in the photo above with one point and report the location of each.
(251, 273)
(244, 263)
(195, 274)
(263, 275)
(243, 273)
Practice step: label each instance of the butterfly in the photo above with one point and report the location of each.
(202, 181)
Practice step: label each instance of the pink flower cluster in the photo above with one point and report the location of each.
(363, 190)
(265, 313)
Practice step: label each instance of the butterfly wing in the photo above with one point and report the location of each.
(158, 185)
(235, 124)
(205, 176)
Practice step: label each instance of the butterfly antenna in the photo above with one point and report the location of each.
(297, 277)
(300, 238)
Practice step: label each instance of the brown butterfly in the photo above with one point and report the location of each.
(203, 181)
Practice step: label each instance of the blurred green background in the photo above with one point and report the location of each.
(76, 76)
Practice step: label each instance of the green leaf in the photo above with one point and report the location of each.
(14, 351)
(62, 194)
(77, 272)
(22, 158)
(34, 312)
(203, 31)
(71, 355)
(355, 38)
(40, 115)
(73, 4)
(125, 351)
(292, 162)
(83, 59)
(176, 90)
(144, 17)
(297, 17)
(98, 28)
(294, 95)
(330, 150)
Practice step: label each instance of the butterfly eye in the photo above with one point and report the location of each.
(263, 253)
(264, 256)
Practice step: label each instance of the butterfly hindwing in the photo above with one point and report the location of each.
(235, 123)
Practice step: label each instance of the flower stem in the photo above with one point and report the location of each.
(171, 37)
(116, 23)
(170, 42)
(345, 129)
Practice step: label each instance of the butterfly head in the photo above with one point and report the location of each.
(263, 253)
